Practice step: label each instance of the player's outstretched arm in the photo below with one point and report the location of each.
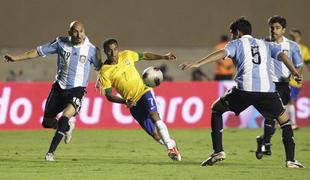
(110, 97)
(117, 99)
(151, 56)
(27, 55)
(215, 56)
(289, 64)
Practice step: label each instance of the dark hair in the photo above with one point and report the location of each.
(241, 24)
(295, 30)
(277, 19)
(108, 42)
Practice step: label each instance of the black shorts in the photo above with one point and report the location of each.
(284, 91)
(59, 98)
(267, 103)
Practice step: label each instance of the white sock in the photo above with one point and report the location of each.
(161, 142)
(291, 113)
(163, 132)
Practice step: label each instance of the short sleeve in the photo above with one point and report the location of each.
(133, 56)
(231, 49)
(296, 56)
(49, 48)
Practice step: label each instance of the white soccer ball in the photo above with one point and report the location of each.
(152, 76)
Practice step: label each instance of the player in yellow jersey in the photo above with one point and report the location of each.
(119, 72)
(294, 86)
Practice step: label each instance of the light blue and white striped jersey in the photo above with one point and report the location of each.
(291, 49)
(73, 62)
(252, 58)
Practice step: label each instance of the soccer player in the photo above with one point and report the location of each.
(252, 58)
(76, 54)
(281, 76)
(296, 36)
(119, 72)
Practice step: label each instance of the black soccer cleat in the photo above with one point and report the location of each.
(259, 153)
(266, 149)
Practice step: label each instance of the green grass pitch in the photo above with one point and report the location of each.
(132, 155)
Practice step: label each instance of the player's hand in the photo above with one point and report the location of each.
(188, 65)
(130, 104)
(8, 58)
(298, 78)
(98, 86)
(170, 56)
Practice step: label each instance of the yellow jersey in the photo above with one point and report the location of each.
(305, 54)
(123, 76)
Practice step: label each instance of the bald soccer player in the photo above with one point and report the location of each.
(76, 54)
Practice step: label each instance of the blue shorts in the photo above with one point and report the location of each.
(294, 92)
(141, 112)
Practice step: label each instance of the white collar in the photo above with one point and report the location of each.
(247, 36)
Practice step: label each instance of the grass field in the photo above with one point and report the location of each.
(131, 154)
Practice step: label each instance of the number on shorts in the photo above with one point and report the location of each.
(151, 101)
(77, 101)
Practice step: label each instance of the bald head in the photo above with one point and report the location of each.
(76, 23)
(77, 32)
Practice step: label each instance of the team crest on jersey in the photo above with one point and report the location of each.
(82, 59)
(286, 52)
(127, 62)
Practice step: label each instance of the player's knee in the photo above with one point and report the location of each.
(155, 116)
(49, 123)
(70, 110)
(63, 124)
(156, 136)
(270, 123)
(283, 118)
(219, 107)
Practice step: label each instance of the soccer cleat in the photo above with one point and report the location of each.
(266, 149)
(174, 154)
(259, 153)
(49, 157)
(295, 127)
(215, 157)
(68, 135)
(293, 164)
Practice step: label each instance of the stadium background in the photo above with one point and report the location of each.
(190, 29)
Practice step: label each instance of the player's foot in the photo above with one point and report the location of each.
(266, 149)
(215, 157)
(259, 153)
(174, 154)
(68, 135)
(293, 164)
(295, 127)
(49, 157)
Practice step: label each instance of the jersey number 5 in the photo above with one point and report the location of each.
(256, 59)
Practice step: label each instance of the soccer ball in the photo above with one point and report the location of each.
(152, 76)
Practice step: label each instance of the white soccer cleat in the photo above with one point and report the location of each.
(215, 157)
(293, 164)
(174, 154)
(68, 135)
(295, 127)
(49, 157)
